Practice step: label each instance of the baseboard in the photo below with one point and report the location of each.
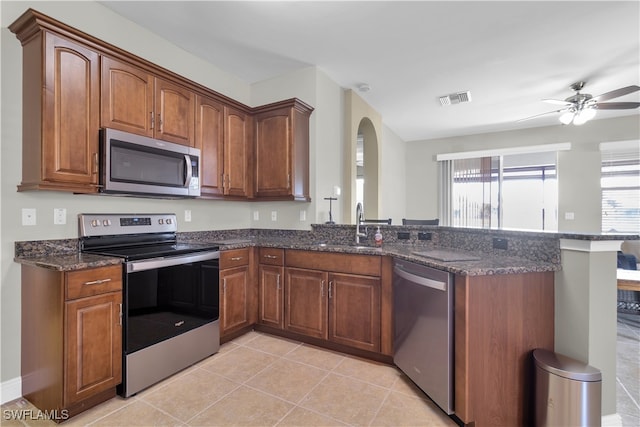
(10, 390)
(612, 420)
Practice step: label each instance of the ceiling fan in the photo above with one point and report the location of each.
(581, 107)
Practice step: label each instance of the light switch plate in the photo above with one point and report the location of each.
(187, 215)
(28, 216)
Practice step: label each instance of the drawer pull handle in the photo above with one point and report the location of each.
(330, 286)
(236, 258)
(278, 282)
(271, 256)
(97, 282)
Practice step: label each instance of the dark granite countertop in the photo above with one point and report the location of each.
(69, 262)
(469, 251)
(482, 265)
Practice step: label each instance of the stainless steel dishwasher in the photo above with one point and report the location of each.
(423, 331)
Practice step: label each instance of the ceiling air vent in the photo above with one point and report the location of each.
(455, 98)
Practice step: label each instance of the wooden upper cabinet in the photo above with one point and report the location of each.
(136, 101)
(61, 107)
(237, 153)
(127, 98)
(282, 151)
(209, 140)
(175, 113)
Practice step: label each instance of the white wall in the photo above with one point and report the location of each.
(578, 169)
(392, 179)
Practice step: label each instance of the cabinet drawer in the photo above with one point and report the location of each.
(367, 265)
(234, 258)
(272, 256)
(94, 281)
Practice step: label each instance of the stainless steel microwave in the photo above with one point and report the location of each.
(135, 164)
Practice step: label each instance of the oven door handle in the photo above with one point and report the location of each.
(153, 263)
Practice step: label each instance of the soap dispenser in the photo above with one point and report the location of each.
(378, 237)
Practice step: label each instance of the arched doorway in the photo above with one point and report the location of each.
(362, 158)
(367, 168)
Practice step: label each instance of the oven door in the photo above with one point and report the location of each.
(167, 297)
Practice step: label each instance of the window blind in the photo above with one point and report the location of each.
(620, 183)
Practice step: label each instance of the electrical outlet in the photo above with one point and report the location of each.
(187, 215)
(256, 215)
(28, 216)
(59, 216)
(274, 215)
(570, 216)
(499, 243)
(403, 235)
(303, 215)
(424, 236)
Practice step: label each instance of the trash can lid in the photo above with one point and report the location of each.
(565, 366)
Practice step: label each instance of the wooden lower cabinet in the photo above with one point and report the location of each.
(354, 311)
(71, 337)
(271, 283)
(340, 307)
(306, 302)
(237, 291)
(499, 321)
(271, 287)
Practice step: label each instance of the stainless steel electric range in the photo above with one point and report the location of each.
(171, 293)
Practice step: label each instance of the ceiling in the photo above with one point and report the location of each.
(509, 54)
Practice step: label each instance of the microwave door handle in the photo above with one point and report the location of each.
(189, 174)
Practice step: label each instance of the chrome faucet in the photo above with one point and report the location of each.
(359, 220)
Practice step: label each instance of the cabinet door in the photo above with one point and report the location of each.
(236, 153)
(127, 98)
(354, 311)
(234, 299)
(273, 153)
(209, 139)
(93, 346)
(306, 302)
(175, 113)
(71, 113)
(271, 279)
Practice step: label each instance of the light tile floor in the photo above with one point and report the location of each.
(628, 369)
(262, 380)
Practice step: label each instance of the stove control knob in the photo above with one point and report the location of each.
(95, 223)
(161, 221)
(106, 222)
(168, 220)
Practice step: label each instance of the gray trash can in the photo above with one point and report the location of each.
(567, 392)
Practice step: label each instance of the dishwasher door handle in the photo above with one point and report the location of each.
(419, 280)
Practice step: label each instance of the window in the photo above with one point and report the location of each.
(620, 183)
(510, 191)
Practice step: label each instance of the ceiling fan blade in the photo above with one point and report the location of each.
(616, 93)
(617, 105)
(543, 114)
(556, 101)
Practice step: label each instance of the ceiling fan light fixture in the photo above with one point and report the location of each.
(567, 117)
